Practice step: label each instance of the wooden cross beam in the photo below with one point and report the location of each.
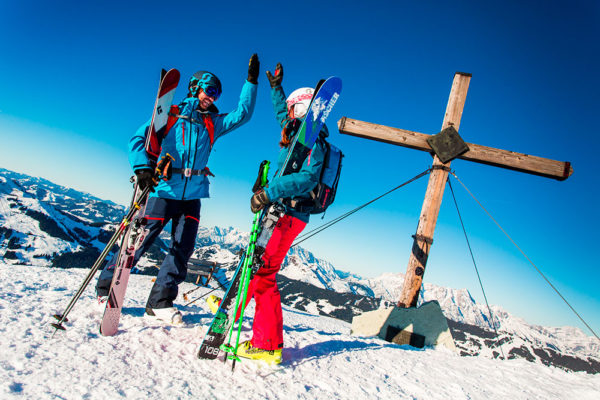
(437, 181)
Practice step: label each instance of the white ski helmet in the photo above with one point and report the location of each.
(300, 100)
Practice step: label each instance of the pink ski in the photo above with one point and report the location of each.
(136, 231)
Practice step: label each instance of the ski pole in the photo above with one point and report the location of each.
(162, 171)
(199, 297)
(185, 295)
(246, 281)
(263, 173)
(124, 224)
(242, 290)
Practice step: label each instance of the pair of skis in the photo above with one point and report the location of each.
(132, 229)
(222, 325)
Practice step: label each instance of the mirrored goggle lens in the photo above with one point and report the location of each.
(211, 91)
(300, 110)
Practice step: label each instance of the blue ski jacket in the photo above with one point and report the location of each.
(188, 142)
(297, 186)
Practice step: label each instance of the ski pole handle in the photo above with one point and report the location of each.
(263, 174)
(164, 168)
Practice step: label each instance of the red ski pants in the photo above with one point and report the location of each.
(267, 329)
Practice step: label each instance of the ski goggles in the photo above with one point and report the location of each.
(300, 110)
(211, 91)
(300, 104)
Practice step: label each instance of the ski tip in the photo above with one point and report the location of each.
(319, 84)
(173, 74)
(332, 82)
(336, 79)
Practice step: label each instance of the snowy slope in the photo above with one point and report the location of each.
(41, 220)
(45, 224)
(517, 338)
(147, 360)
(457, 304)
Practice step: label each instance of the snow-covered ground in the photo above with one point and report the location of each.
(148, 360)
(45, 224)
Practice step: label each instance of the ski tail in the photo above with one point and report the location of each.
(164, 99)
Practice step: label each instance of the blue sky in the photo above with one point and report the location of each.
(77, 79)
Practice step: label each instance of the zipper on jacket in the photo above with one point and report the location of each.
(190, 153)
(183, 158)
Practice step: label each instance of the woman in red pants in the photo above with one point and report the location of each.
(289, 191)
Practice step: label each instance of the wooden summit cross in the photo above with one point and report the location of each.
(441, 163)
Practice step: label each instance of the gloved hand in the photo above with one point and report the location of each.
(259, 200)
(253, 69)
(276, 80)
(145, 178)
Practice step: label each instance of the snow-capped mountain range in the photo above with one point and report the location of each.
(44, 224)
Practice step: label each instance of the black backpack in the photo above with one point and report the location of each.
(323, 194)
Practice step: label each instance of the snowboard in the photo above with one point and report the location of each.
(136, 232)
(323, 101)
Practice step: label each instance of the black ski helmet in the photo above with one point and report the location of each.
(207, 81)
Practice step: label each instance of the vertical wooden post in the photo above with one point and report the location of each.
(433, 199)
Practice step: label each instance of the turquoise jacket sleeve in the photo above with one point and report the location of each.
(138, 158)
(299, 184)
(225, 123)
(279, 104)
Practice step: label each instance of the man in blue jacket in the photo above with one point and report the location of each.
(288, 190)
(189, 142)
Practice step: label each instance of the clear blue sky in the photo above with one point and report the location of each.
(78, 78)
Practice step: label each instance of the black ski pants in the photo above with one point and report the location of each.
(185, 218)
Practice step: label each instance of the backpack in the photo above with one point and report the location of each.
(323, 194)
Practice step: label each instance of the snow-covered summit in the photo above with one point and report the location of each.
(44, 224)
(148, 360)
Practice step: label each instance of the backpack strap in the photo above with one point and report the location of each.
(210, 128)
(173, 115)
(208, 122)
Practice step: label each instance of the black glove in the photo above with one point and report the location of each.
(253, 69)
(145, 178)
(276, 80)
(259, 200)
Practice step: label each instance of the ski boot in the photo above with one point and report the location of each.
(213, 303)
(246, 350)
(170, 315)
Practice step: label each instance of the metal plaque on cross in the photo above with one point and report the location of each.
(447, 144)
